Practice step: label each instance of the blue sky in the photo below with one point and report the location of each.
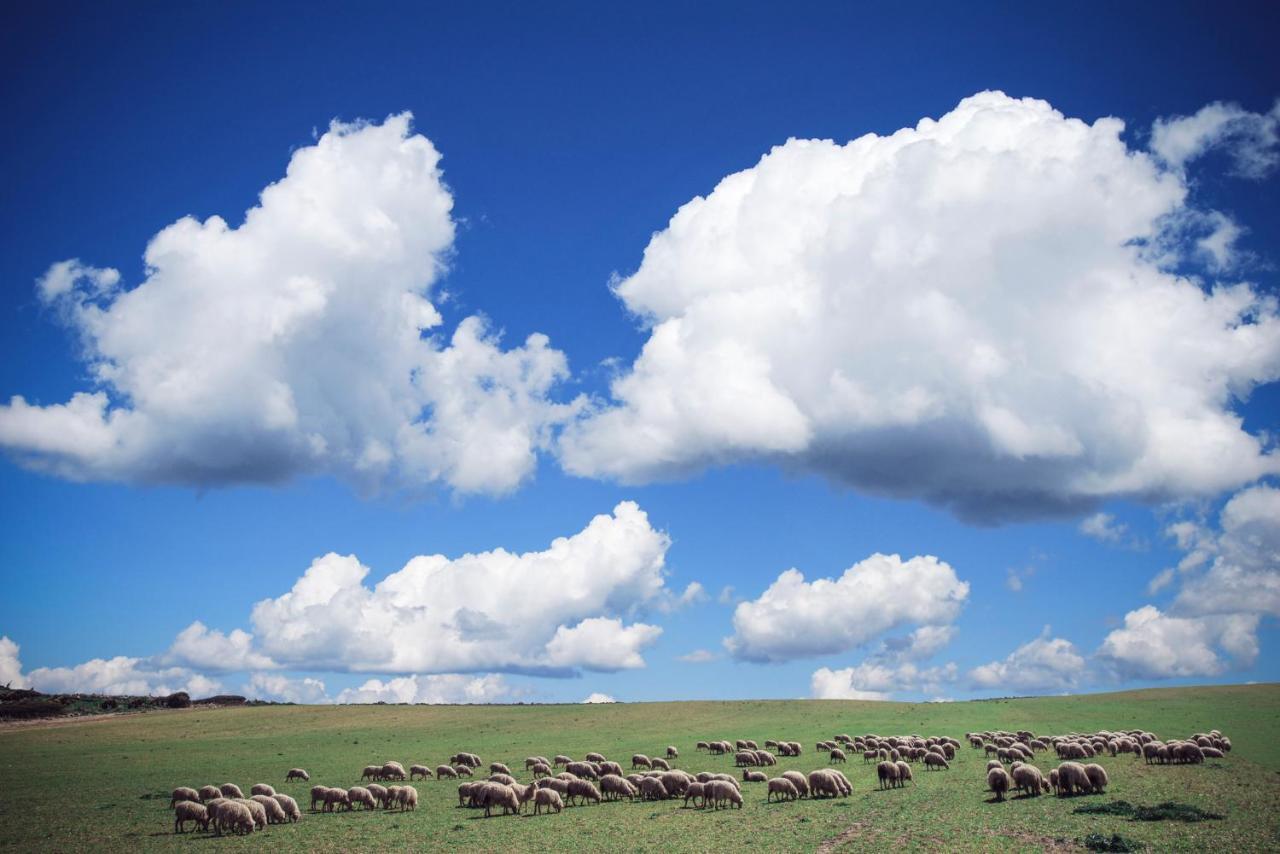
(569, 137)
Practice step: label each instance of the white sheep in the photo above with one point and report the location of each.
(185, 811)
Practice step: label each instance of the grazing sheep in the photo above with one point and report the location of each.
(609, 768)
(660, 764)
(257, 810)
(994, 763)
(695, 790)
(465, 791)
(468, 759)
(869, 756)
(360, 795)
(289, 806)
(702, 745)
(407, 797)
(799, 781)
(675, 782)
(651, 789)
(335, 798)
(783, 788)
(998, 781)
(498, 795)
(548, 799)
(262, 789)
(235, 816)
(185, 811)
(379, 793)
(566, 775)
(541, 769)
(504, 779)
(561, 760)
(393, 771)
(371, 772)
(765, 758)
(904, 774)
(887, 774)
(231, 790)
(639, 760)
(1072, 779)
(837, 755)
(1052, 779)
(275, 813)
(419, 771)
(445, 772)
(317, 796)
(594, 757)
(561, 786)
(1097, 778)
(719, 792)
(672, 753)
(297, 774)
(1028, 779)
(934, 761)
(842, 782)
(462, 770)
(822, 784)
(584, 789)
(582, 770)
(184, 793)
(208, 793)
(614, 786)
(753, 776)
(499, 768)
(744, 757)
(1212, 753)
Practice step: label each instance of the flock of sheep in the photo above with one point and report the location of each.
(225, 809)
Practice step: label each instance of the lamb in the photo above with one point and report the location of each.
(639, 760)
(1072, 779)
(904, 774)
(419, 771)
(207, 793)
(393, 771)
(499, 768)
(548, 799)
(297, 774)
(360, 795)
(1097, 778)
(407, 797)
(231, 790)
(1028, 779)
(998, 781)
(262, 789)
(718, 792)
(672, 753)
(185, 811)
(783, 788)
(651, 789)
(887, 773)
(379, 793)
(445, 772)
(275, 813)
(752, 776)
(934, 761)
(798, 780)
(837, 755)
(289, 807)
(371, 772)
(258, 812)
(584, 789)
(184, 793)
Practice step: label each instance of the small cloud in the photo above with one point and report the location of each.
(597, 697)
(1162, 580)
(1104, 528)
(699, 656)
(727, 595)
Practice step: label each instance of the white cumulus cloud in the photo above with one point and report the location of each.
(794, 618)
(121, 675)
(1155, 645)
(878, 680)
(11, 664)
(1251, 139)
(281, 688)
(302, 341)
(597, 697)
(971, 312)
(436, 689)
(1044, 664)
(203, 648)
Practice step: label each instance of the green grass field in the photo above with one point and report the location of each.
(104, 784)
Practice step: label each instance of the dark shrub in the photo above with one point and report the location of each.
(180, 700)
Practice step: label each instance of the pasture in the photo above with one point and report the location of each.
(104, 784)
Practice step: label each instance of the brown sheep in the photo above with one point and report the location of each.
(639, 760)
(998, 781)
(231, 790)
(419, 771)
(1072, 779)
(837, 755)
(561, 759)
(887, 774)
(934, 761)
(672, 753)
(1097, 778)
(499, 768)
(1028, 779)
(594, 757)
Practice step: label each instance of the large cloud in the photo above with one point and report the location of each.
(548, 611)
(798, 619)
(973, 312)
(294, 343)
(1155, 645)
(877, 680)
(11, 665)
(121, 675)
(1044, 664)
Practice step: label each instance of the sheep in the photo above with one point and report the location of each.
(262, 789)
(998, 781)
(639, 760)
(594, 757)
(582, 770)
(843, 786)
(561, 759)
(256, 809)
(783, 788)
(231, 790)
(504, 779)
(837, 755)
(275, 813)
(379, 793)
(465, 791)
(498, 795)
(672, 753)
(702, 745)
(1028, 779)
(718, 792)
(675, 782)
(541, 769)
(317, 796)
(1072, 779)
(934, 761)
(765, 758)
(407, 797)
(1052, 779)
(610, 768)
(584, 789)
(994, 763)
(444, 772)
(185, 811)
(822, 784)
(207, 793)
(798, 780)
(695, 790)
(419, 771)
(561, 786)
(184, 793)
(393, 771)
(548, 799)
(566, 775)
(1212, 753)
(744, 757)
(651, 789)
(614, 786)
(904, 774)
(1097, 778)
(660, 764)
(869, 756)
(233, 815)
(360, 795)
(289, 807)
(335, 798)
(297, 774)
(468, 759)
(752, 776)
(371, 772)
(499, 768)
(887, 774)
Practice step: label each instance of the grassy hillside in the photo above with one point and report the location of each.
(105, 783)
